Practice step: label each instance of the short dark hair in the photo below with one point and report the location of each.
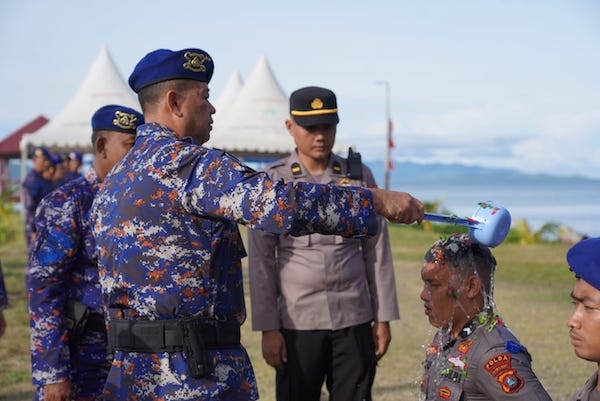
(150, 95)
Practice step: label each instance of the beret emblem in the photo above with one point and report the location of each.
(125, 120)
(195, 61)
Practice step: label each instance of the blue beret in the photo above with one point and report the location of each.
(40, 151)
(117, 118)
(165, 65)
(74, 155)
(584, 260)
(56, 159)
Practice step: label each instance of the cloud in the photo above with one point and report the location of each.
(512, 136)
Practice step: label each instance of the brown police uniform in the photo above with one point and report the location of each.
(485, 362)
(588, 392)
(318, 282)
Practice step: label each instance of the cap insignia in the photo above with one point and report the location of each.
(124, 120)
(316, 104)
(195, 61)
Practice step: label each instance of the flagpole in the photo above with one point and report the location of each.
(388, 140)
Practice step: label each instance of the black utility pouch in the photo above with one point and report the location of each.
(194, 348)
(77, 316)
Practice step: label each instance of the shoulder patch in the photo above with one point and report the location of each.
(296, 169)
(499, 366)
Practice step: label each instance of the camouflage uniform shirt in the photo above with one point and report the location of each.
(169, 247)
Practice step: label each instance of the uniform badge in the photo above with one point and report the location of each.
(499, 366)
(195, 61)
(124, 120)
(344, 182)
(316, 104)
(444, 393)
(336, 167)
(296, 169)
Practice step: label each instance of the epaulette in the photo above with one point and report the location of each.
(296, 169)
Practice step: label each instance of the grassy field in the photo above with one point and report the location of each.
(532, 289)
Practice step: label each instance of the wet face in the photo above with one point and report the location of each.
(198, 111)
(441, 296)
(315, 141)
(584, 323)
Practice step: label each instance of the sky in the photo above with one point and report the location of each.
(509, 84)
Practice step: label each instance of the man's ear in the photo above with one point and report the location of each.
(174, 102)
(288, 125)
(473, 286)
(100, 146)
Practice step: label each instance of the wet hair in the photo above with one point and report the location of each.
(466, 257)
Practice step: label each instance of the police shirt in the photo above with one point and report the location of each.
(320, 282)
(485, 362)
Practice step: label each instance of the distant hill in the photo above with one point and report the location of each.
(408, 173)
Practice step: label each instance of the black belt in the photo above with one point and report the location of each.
(167, 335)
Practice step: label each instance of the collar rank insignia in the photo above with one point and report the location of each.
(296, 169)
(124, 120)
(195, 61)
(336, 168)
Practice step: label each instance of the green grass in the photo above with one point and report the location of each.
(532, 290)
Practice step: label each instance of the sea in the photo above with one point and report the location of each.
(573, 203)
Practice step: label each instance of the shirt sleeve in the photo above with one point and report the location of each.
(504, 375)
(50, 264)
(263, 280)
(222, 187)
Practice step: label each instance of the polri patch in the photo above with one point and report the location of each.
(499, 366)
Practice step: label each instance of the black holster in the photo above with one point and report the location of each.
(77, 316)
(194, 347)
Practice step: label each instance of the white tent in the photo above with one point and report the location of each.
(230, 91)
(71, 128)
(250, 118)
(254, 122)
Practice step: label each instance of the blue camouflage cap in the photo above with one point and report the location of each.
(56, 159)
(40, 151)
(117, 118)
(584, 260)
(164, 65)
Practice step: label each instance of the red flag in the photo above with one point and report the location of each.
(390, 130)
(390, 165)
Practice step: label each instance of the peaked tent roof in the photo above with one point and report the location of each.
(253, 125)
(71, 128)
(9, 146)
(230, 91)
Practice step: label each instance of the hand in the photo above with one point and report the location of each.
(382, 336)
(273, 348)
(2, 323)
(397, 207)
(58, 391)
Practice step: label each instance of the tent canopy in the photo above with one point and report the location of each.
(71, 128)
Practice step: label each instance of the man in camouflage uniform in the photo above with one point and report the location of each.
(473, 356)
(68, 333)
(170, 250)
(584, 323)
(316, 297)
(35, 187)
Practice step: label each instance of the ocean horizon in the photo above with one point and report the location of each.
(571, 202)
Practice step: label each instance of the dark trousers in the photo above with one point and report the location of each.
(345, 359)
